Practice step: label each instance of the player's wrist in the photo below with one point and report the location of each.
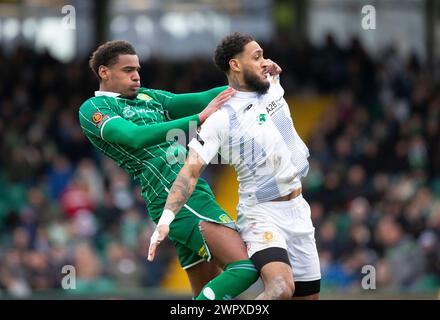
(201, 118)
(166, 218)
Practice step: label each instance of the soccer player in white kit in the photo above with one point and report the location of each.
(254, 133)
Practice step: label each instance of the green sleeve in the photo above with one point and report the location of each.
(94, 113)
(121, 131)
(185, 104)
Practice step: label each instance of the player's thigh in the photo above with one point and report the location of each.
(303, 254)
(304, 257)
(205, 228)
(221, 239)
(224, 243)
(274, 266)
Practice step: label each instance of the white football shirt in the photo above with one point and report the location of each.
(255, 134)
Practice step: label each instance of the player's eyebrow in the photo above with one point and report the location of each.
(131, 68)
(258, 51)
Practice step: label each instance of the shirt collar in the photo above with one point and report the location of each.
(245, 94)
(107, 93)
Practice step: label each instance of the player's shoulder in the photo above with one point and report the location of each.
(86, 106)
(221, 115)
(97, 102)
(217, 121)
(153, 93)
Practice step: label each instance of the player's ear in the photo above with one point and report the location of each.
(234, 64)
(103, 72)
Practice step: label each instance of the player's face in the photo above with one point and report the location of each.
(123, 76)
(255, 68)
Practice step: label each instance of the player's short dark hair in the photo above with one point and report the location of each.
(229, 47)
(107, 54)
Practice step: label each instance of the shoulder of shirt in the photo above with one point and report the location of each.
(95, 102)
(145, 90)
(152, 91)
(218, 119)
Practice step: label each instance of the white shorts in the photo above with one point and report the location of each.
(283, 224)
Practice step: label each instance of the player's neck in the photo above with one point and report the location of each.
(238, 84)
(106, 88)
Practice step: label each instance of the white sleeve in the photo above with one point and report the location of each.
(275, 85)
(210, 136)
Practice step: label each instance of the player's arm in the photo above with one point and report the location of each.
(179, 194)
(118, 130)
(201, 153)
(185, 182)
(186, 104)
(113, 128)
(127, 133)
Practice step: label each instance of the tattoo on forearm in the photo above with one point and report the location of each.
(179, 194)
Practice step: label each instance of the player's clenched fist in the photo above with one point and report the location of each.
(273, 68)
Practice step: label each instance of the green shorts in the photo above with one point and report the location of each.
(184, 230)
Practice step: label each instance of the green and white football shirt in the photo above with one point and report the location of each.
(148, 165)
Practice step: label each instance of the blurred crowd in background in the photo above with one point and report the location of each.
(373, 184)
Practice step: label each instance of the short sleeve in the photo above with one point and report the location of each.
(210, 137)
(94, 114)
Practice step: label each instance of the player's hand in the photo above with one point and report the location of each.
(273, 68)
(157, 237)
(216, 103)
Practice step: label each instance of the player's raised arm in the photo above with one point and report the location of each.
(185, 104)
(180, 192)
(113, 128)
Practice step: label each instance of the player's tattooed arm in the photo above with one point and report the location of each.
(185, 182)
(180, 193)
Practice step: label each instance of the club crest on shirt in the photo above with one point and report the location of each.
(98, 118)
(225, 218)
(143, 96)
(202, 251)
(128, 113)
(261, 118)
(268, 236)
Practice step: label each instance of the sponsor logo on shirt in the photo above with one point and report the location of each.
(274, 106)
(98, 118)
(248, 107)
(128, 113)
(143, 96)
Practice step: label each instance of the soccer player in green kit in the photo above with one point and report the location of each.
(129, 124)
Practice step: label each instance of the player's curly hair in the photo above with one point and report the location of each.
(107, 54)
(229, 47)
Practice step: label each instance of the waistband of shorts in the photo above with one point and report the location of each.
(276, 204)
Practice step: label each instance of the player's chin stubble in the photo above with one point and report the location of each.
(254, 83)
